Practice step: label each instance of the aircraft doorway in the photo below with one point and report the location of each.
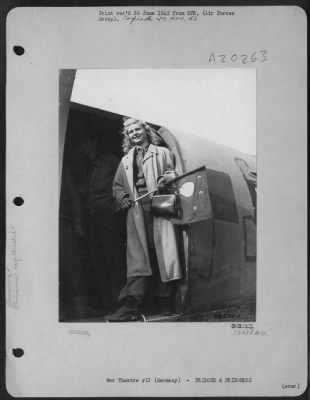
(92, 245)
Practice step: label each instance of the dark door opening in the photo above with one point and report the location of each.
(92, 137)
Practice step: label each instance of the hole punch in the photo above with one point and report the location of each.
(18, 50)
(18, 352)
(18, 201)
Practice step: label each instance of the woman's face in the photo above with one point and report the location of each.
(137, 134)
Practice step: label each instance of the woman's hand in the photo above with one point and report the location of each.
(125, 203)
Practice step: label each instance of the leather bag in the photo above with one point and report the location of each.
(165, 205)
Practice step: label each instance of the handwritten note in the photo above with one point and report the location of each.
(258, 56)
(12, 269)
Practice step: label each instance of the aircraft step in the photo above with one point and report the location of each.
(159, 317)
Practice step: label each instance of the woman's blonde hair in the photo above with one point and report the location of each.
(153, 137)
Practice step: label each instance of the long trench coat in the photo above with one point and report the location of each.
(156, 161)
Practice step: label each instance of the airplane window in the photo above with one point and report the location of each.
(187, 189)
(222, 196)
(249, 225)
(250, 178)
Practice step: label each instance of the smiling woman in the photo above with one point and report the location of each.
(135, 132)
(152, 250)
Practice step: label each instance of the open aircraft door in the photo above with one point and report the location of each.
(193, 196)
(195, 223)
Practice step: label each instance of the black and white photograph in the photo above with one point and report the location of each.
(158, 223)
(156, 194)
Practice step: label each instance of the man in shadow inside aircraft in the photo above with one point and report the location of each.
(72, 289)
(152, 255)
(106, 227)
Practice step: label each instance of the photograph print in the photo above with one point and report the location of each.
(157, 195)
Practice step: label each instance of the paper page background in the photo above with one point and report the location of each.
(57, 363)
